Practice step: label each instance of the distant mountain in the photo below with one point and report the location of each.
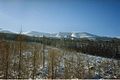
(5, 31)
(63, 35)
(37, 34)
(68, 35)
(117, 37)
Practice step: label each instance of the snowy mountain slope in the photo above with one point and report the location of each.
(5, 31)
(37, 34)
(69, 35)
(117, 37)
(63, 35)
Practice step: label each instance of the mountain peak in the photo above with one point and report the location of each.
(70, 35)
(63, 34)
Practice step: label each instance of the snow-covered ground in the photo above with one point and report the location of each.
(57, 63)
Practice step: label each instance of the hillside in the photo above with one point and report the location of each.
(21, 59)
(109, 47)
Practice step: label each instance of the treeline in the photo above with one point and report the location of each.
(105, 48)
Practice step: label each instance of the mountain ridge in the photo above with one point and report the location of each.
(62, 34)
(71, 35)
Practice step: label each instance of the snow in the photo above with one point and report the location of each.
(70, 35)
(58, 35)
(61, 34)
(72, 59)
(73, 35)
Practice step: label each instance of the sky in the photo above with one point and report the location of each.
(100, 17)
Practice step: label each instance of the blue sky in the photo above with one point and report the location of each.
(101, 17)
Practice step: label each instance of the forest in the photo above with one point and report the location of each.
(26, 57)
